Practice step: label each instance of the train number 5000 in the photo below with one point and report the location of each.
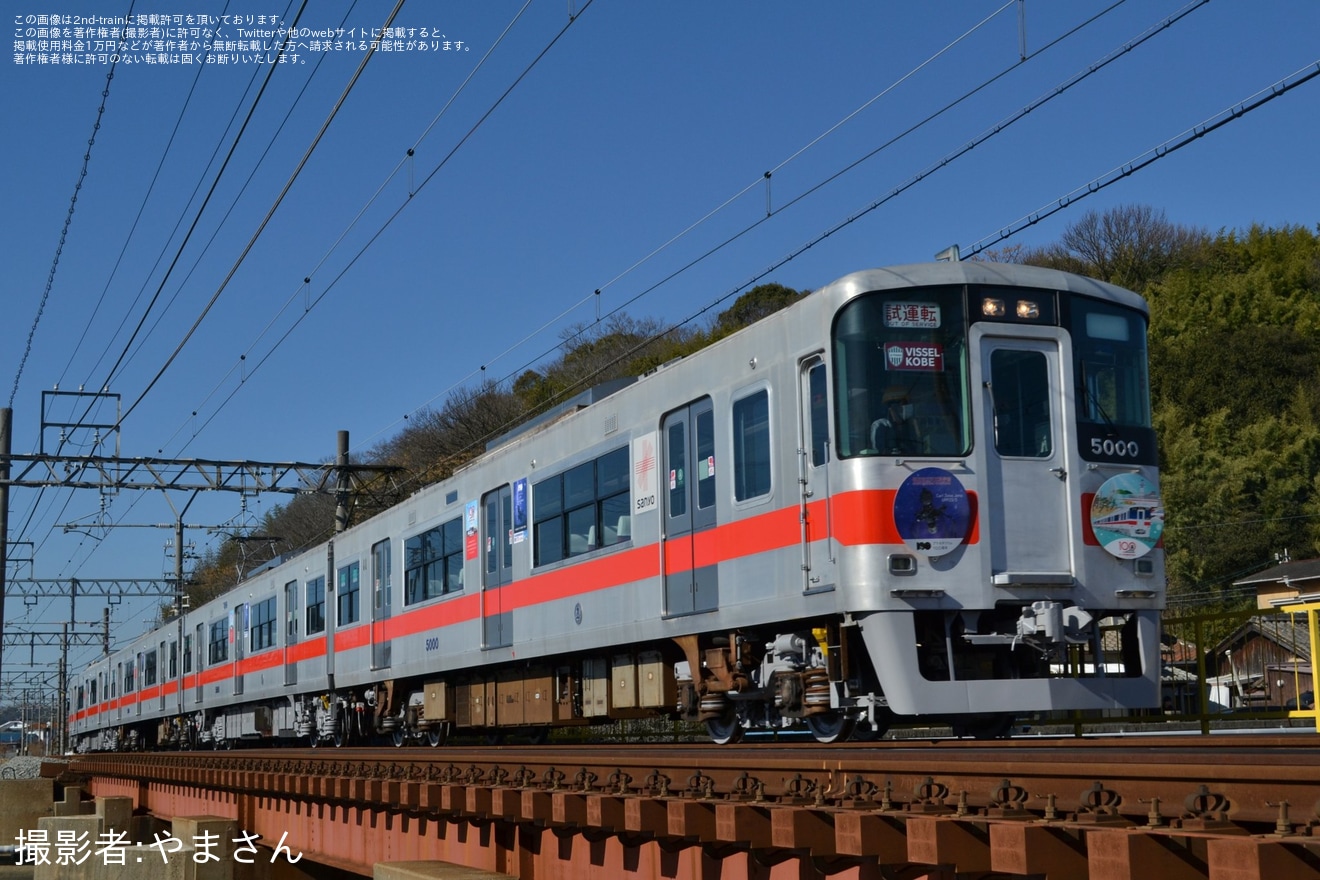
(1126, 448)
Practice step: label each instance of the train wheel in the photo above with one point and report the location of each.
(725, 730)
(435, 736)
(867, 731)
(338, 739)
(398, 736)
(829, 727)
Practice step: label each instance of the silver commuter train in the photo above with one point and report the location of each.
(875, 504)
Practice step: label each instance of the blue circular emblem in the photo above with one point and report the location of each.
(932, 512)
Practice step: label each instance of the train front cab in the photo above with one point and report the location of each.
(987, 591)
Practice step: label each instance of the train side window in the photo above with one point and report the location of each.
(433, 562)
(217, 649)
(1021, 384)
(263, 624)
(582, 509)
(316, 605)
(149, 670)
(751, 446)
(348, 591)
(128, 677)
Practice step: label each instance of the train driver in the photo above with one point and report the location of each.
(896, 432)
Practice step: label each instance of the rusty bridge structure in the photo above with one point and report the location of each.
(1182, 808)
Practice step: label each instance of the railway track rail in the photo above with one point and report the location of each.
(1182, 792)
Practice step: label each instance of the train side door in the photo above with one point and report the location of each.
(199, 651)
(238, 627)
(813, 456)
(161, 676)
(290, 632)
(691, 574)
(497, 568)
(1026, 457)
(382, 599)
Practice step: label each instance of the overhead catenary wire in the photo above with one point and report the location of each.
(1132, 166)
(569, 309)
(1235, 112)
(127, 346)
(308, 152)
(68, 221)
(142, 207)
(1156, 29)
(399, 209)
(403, 161)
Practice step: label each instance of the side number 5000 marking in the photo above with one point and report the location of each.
(433, 644)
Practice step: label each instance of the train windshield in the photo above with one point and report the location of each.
(900, 361)
(1109, 353)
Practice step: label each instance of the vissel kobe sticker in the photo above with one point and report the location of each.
(914, 356)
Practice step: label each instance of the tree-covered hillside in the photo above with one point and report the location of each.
(1235, 385)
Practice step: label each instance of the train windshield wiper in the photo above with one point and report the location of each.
(1092, 402)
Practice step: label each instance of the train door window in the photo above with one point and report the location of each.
(380, 575)
(348, 591)
(291, 613)
(79, 703)
(677, 446)
(93, 686)
(1020, 386)
(149, 671)
(316, 605)
(174, 660)
(187, 654)
(818, 414)
(751, 446)
(128, 677)
(704, 434)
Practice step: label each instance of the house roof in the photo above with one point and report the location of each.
(1285, 573)
(1280, 629)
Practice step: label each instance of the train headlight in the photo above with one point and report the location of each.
(992, 308)
(1028, 309)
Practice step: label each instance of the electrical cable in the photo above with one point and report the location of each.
(1127, 169)
(68, 221)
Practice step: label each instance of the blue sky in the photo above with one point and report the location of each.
(641, 120)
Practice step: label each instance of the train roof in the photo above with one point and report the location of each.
(978, 272)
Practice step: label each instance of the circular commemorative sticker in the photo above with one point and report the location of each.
(932, 512)
(1127, 516)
